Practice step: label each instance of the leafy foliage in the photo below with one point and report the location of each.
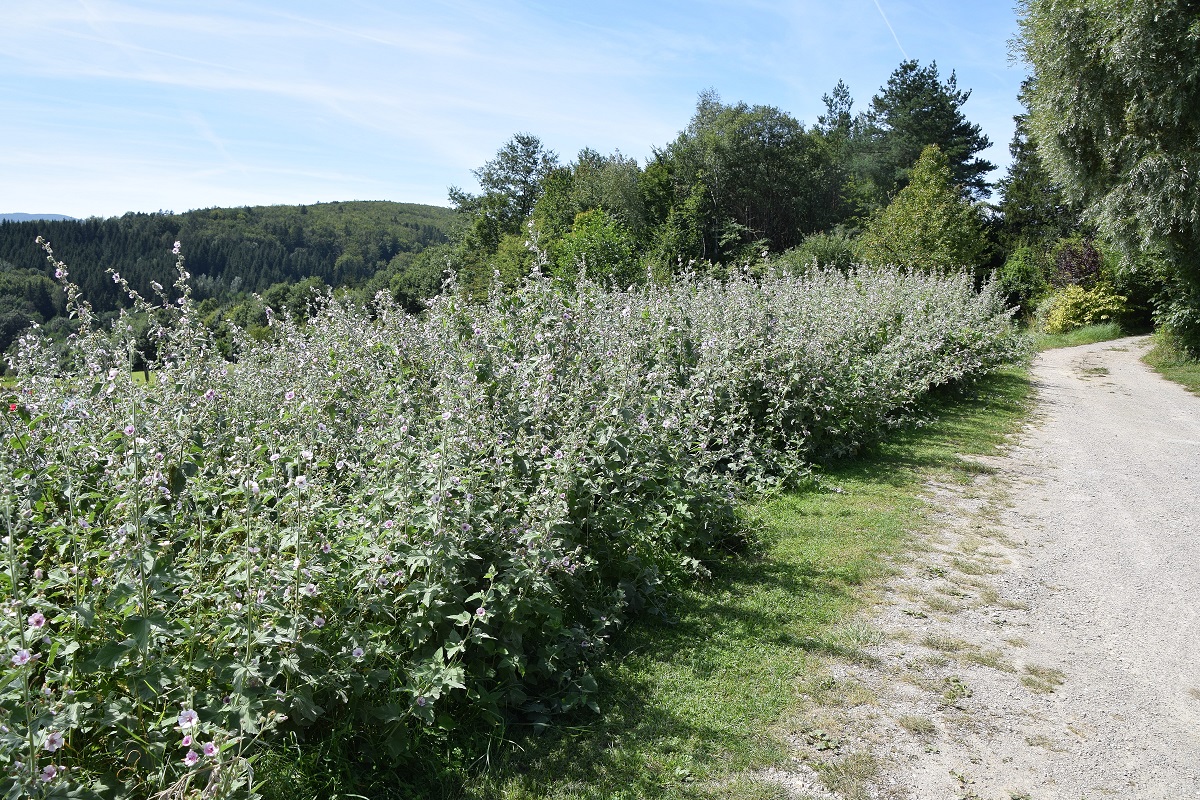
(1024, 277)
(1076, 307)
(1034, 209)
(379, 527)
(823, 250)
(757, 170)
(602, 246)
(1115, 112)
(928, 226)
(511, 183)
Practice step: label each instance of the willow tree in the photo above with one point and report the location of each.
(1115, 110)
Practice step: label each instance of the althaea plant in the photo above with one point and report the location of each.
(386, 523)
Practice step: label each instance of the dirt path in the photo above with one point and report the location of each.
(1046, 643)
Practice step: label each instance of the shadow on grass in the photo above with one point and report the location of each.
(747, 634)
(955, 420)
(669, 717)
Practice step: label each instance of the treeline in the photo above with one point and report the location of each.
(282, 252)
(899, 183)
(738, 180)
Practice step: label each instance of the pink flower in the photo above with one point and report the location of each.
(49, 772)
(129, 429)
(357, 652)
(37, 619)
(187, 741)
(210, 748)
(21, 658)
(289, 395)
(191, 758)
(481, 612)
(188, 718)
(54, 741)
(175, 249)
(319, 622)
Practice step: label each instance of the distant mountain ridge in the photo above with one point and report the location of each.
(285, 253)
(19, 217)
(232, 252)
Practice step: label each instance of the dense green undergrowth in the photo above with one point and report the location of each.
(381, 533)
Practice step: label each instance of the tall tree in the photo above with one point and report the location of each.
(511, 184)
(837, 121)
(916, 109)
(845, 192)
(609, 183)
(756, 170)
(929, 225)
(1034, 210)
(1115, 111)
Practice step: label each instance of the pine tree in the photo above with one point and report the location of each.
(916, 109)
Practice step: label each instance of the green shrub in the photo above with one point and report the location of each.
(603, 246)
(1074, 307)
(821, 250)
(1023, 278)
(379, 527)
(929, 225)
(1078, 262)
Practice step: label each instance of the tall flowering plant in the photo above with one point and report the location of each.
(383, 525)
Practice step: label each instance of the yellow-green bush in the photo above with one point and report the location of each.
(1074, 307)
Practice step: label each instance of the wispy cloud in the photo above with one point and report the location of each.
(409, 96)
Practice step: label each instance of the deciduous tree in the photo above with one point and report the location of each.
(1115, 111)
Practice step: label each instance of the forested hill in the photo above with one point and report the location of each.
(230, 251)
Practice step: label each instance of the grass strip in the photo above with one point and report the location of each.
(692, 708)
(1089, 334)
(1168, 359)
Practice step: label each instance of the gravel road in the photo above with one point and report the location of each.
(1092, 688)
(1045, 643)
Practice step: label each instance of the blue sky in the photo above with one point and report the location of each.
(108, 106)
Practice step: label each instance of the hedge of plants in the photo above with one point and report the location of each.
(384, 525)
